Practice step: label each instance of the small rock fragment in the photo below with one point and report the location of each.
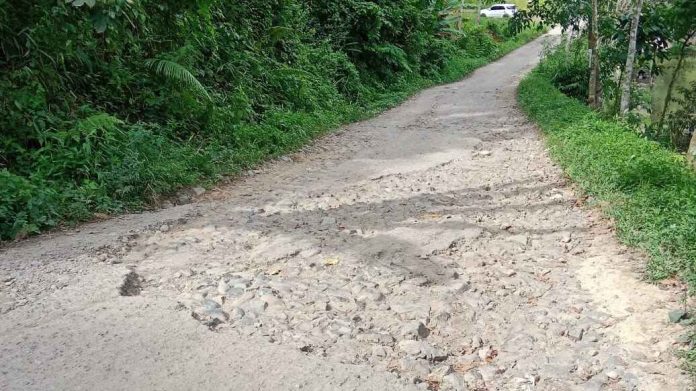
(415, 330)
(379, 351)
(533, 378)
(410, 347)
(328, 221)
(576, 334)
(676, 315)
(487, 354)
(209, 313)
(474, 380)
(222, 287)
(477, 342)
(439, 373)
(453, 382)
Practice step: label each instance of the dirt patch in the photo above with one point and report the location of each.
(132, 285)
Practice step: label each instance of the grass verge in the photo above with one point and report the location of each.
(647, 190)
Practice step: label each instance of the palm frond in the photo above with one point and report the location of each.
(177, 72)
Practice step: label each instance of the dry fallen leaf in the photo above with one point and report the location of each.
(492, 354)
(464, 366)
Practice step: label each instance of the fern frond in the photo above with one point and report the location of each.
(173, 71)
(453, 31)
(394, 55)
(97, 121)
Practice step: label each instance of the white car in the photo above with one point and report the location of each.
(499, 11)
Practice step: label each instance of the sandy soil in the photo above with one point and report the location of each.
(435, 246)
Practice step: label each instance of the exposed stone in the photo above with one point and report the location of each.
(379, 351)
(222, 287)
(415, 330)
(453, 382)
(438, 374)
(254, 306)
(487, 354)
(328, 221)
(412, 347)
(576, 334)
(416, 369)
(476, 342)
(613, 375)
(676, 315)
(379, 338)
(209, 313)
(473, 379)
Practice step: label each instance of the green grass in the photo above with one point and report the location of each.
(647, 190)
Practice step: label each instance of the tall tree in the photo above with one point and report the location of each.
(595, 88)
(691, 153)
(630, 60)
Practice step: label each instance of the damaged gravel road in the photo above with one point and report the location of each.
(435, 246)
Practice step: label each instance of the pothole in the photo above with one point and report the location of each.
(132, 284)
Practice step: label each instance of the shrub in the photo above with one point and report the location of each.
(568, 69)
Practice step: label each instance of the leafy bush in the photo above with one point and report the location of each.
(477, 42)
(681, 123)
(567, 67)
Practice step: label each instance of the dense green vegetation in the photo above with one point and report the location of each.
(649, 191)
(642, 56)
(109, 104)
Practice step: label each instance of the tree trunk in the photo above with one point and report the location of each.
(672, 82)
(691, 153)
(617, 101)
(569, 40)
(594, 88)
(478, 13)
(630, 59)
(460, 15)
